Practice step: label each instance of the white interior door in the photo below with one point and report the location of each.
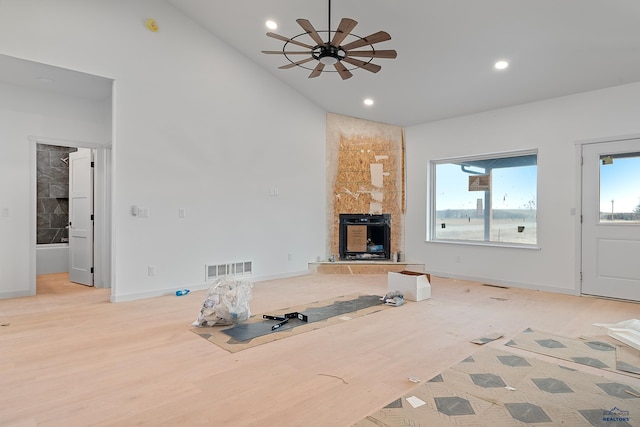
(611, 219)
(81, 217)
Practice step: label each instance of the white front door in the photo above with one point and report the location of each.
(611, 219)
(81, 217)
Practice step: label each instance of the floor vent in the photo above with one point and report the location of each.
(230, 269)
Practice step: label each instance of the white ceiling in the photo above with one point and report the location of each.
(31, 74)
(446, 50)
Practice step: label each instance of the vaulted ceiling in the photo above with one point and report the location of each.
(446, 50)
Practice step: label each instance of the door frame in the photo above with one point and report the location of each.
(579, 177)
(102, 193)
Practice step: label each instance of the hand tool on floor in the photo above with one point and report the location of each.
(282, 320)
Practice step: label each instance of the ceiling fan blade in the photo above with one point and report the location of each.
(306, 25)
(317, 71)
(374, 38)
(285, 39)
(374, 68)
(341, 69)
(387, 54)
(345, 27)
(282, 52)
(294, 64)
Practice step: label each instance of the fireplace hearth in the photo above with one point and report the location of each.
(365, 237)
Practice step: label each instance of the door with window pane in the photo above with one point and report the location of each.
(611, 219)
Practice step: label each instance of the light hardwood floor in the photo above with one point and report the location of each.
(68, 357)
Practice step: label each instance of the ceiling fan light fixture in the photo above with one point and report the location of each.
(332, 52)
(501, 65)
(271, 24)
(327, 59)
(328, 54)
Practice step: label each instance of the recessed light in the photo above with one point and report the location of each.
(368, 102)
(501, 65)
(271, 25)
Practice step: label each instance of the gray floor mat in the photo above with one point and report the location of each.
(248, 331)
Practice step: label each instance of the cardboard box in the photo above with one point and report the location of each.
(413, 285)
(356, 238)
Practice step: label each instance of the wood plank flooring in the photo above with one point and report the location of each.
(69, 357)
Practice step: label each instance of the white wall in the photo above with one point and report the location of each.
(52, 258)
(25, 113)
(553, 127)
(196, 126)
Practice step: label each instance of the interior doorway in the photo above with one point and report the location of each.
(64, 211)
(89, 202)
(73, 105)
(610, 222)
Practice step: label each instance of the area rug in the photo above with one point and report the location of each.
(595, 352)
(496, 388)
(319, 314)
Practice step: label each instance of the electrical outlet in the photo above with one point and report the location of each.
(273, 191)
(5, 212)
(290, 257)
(151, 270)
(143, 212)
(182, 213)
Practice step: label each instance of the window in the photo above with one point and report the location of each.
(619, 191)
(489, 199)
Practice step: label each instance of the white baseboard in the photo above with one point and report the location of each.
(507, 283)
(280, 276)
(15, 294)
(198, 287)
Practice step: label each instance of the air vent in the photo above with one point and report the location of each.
(214, 271)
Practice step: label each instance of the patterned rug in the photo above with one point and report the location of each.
(319, 314)
(603, 353)
(496, 388)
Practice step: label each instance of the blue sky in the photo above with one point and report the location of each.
(513, 188)
(620, 182)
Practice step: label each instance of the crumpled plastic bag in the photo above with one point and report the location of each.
(394, 298)
(227, 303)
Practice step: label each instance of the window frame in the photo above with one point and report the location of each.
(613, 221)
(431, 199)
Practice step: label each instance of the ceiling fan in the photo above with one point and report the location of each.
(331, 52)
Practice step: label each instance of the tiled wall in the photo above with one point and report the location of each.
(52, 193)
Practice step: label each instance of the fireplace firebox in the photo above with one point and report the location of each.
(365, 237)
